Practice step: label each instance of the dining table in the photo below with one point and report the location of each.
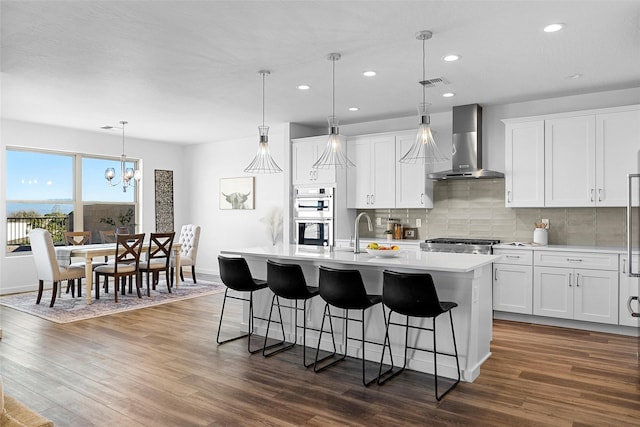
(89, 252)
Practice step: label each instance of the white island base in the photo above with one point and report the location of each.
(463, 278)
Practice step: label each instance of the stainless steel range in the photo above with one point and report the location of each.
(464, 246)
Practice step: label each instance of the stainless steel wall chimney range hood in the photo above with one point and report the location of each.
(466, 158)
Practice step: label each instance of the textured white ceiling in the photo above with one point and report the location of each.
(187, 71)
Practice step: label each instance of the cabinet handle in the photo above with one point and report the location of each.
(368, 199)
(509, 196)
(599, 194)
(422, 198)
(592, 191)
(624, 266)
(574, 260)
(513, 256)
(577, 280)
(315, 175)
(570, 274)
(373, 199)
(495, 275)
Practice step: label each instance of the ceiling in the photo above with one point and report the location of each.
(187, 71)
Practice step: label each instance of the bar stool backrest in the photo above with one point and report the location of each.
(286, 280)
(235, 273)
(411, 294)
(343, 288)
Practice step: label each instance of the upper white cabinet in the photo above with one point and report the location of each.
(586, 158)
(570, 149)
(305, 152)
(524, 165)
(412, 188)
(372, 181)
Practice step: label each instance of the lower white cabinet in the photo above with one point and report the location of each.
(513, 282)
(588, 294)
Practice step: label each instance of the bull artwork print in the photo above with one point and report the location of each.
(236, 193)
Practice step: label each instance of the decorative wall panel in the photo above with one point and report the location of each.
(164, 201)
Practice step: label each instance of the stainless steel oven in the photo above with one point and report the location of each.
(314, 216)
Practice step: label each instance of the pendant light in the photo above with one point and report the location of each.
(424, 150)
(333, 154)
(263, 162)
(126, 174)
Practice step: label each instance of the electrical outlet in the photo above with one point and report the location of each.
(418, 222)
(546, 221)
(378, 221)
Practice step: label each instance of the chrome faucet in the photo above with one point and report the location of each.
(356, 232)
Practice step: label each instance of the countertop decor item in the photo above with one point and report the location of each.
(424, 150)
(333, 154)
(127, 172)
(540, 234)
(273, 221)
(263, 162)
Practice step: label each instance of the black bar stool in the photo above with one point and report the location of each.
(287, 281)
(235, 274)
(344, 289)
(414, 295)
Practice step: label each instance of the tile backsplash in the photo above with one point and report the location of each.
(475, 208)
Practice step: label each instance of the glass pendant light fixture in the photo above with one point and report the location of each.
(126, 173)
(424, 150)
(333, 154)
(263, 162)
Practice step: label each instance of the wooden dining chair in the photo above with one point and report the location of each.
(158, 259)
(107, 236)
(126, 265)
(77, 238)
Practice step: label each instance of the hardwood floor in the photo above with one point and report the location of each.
(161, 366)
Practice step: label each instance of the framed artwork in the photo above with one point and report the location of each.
(409, 233)
(237, 193)
(164, 200)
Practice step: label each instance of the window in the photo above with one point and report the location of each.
(41, 193)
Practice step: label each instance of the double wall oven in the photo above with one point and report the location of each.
(314, 216)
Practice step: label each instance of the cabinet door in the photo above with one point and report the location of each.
(412, 188)
(358, 178)
(524, 164)
(382, 171)
(513, 288)
(328, 175)
(629, 286)
(570, 161)
(596, 296)
(553, 292)
(617, 143)
(303, 153)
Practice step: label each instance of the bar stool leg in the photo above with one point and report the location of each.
(333, 339)
(435, 369)
(276, 300)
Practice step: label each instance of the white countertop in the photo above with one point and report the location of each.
(431, 261)
(564, 248)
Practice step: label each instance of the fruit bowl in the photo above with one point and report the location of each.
(387, 252)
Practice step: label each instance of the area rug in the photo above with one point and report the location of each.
(68, 309)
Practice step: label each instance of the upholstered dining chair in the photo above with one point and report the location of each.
(189, 237)
(158, 258)
(126, 265)
(47, 266)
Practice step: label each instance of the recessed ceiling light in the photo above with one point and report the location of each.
(369, 73)
(353, 108)
(451, 58)
(303, 87)
(448, 95)
(574, 76)
(552, 28)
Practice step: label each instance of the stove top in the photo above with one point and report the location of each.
(459, 245)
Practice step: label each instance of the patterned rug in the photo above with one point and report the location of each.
(67, 309)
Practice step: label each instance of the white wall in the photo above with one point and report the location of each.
(17, 273)
(229, 229)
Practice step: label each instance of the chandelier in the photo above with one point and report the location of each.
(424, 150)
(333, 154)
(126, 173)
(263, 162)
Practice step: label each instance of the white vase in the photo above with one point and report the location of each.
(540, 236)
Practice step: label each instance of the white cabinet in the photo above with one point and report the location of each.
(629, 286)
(372, 181)
(513, 281)
(579, 286)
(412, 188)
(570, 161)
(524, 164)
(576, 159)
(305, 152)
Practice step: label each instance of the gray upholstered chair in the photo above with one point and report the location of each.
(189, 237)
(47, 266)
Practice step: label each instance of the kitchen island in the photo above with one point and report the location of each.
(463, 278)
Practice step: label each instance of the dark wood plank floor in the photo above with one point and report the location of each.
(161, 367)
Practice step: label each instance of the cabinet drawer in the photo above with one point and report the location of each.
(518, 257)
(589, 260)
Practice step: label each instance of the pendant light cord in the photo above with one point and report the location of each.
(263, 77)
(333, 86)
(424, 74)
